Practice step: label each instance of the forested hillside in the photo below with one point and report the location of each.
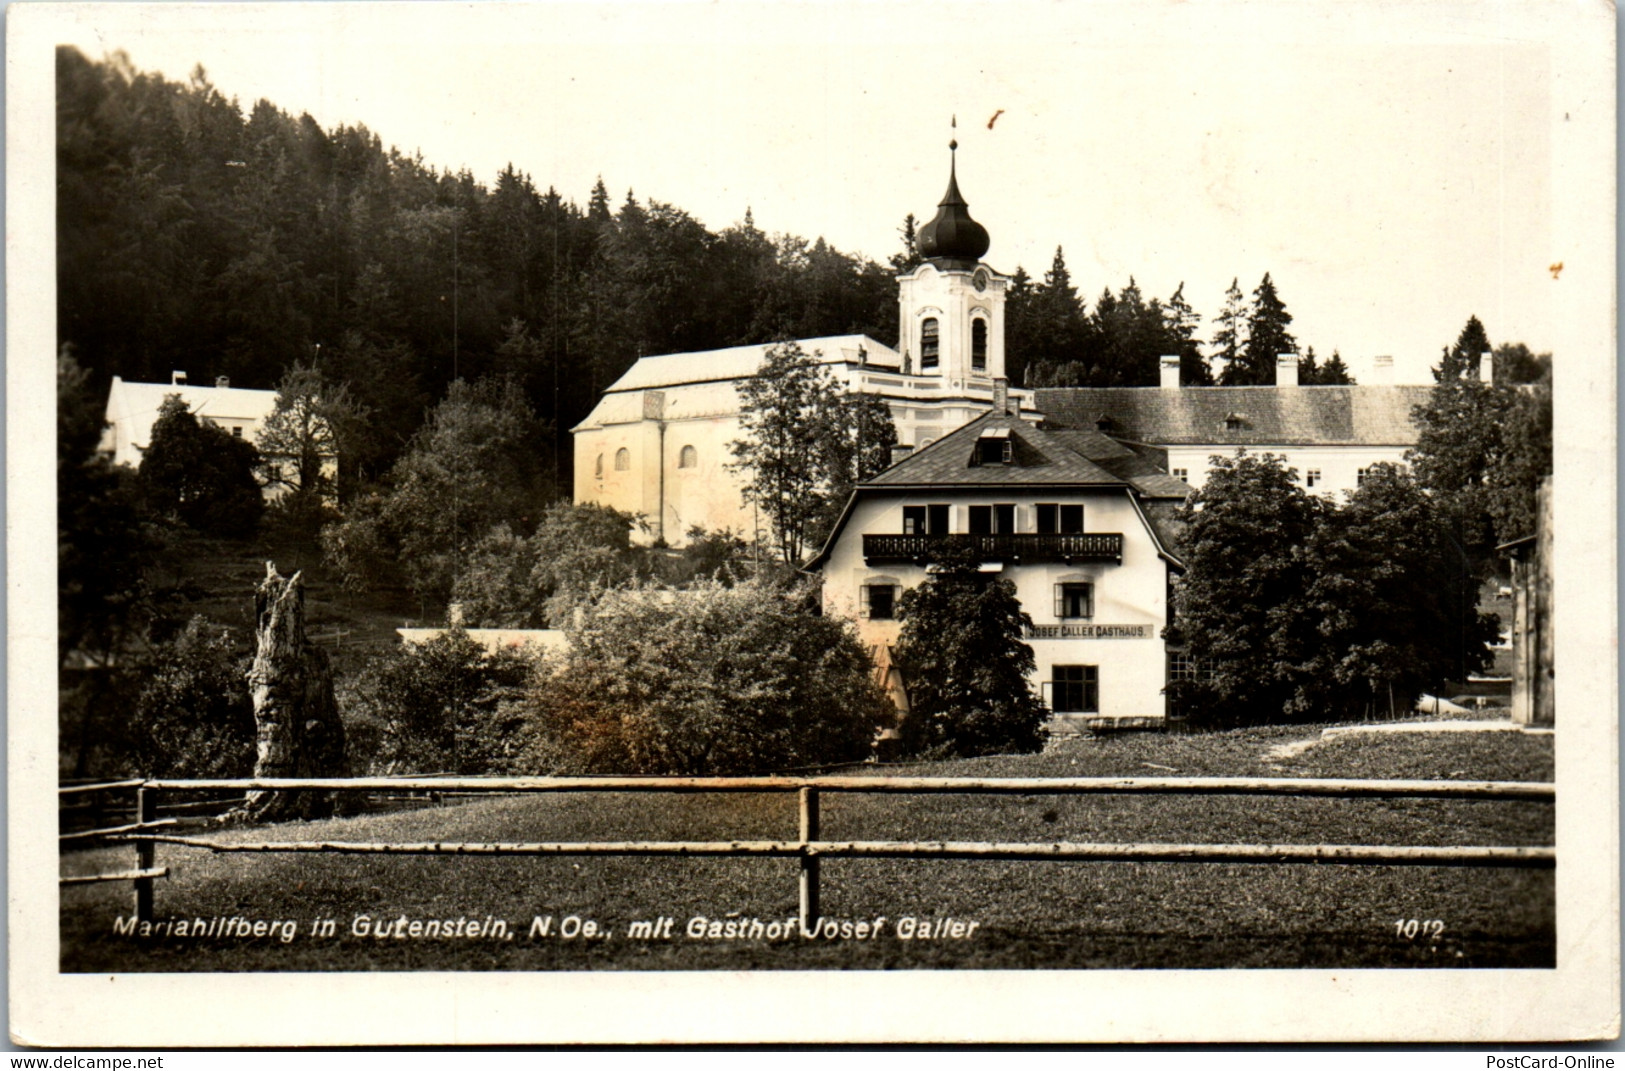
(199, 235)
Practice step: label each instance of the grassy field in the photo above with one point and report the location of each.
(1027, 915)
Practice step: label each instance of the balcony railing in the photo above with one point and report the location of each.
(1090, 547)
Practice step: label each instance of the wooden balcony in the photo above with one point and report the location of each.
(1021, 548)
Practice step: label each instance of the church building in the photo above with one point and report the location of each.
(657, 443)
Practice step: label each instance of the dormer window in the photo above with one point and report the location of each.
(1235, 422)
(928, 343)
(994, 452)
(978, 345)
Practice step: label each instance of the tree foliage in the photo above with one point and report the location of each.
(1239, 606)
(713, 680)
(200, 474)
(965, 664)
(1395, 603)
(480, 460)
(1483, 448)
(444, 706)
(106, 539)
(192, 716)
(512, 581)
(806, 443)
(1295, 609)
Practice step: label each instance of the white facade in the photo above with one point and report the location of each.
(1095, 585)
(1120, 639)
(1330, 471)
(132, 409)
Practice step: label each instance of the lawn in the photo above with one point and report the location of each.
(1027, 915)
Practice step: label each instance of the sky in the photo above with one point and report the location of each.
(1389, 164)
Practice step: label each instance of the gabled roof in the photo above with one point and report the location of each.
(1269, 416)
(741, 362)
(1059, 458)
(1040, 458)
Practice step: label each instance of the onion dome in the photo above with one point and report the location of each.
(952, 239)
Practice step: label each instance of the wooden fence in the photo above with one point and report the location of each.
(809, 848)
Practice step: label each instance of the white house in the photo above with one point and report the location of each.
(1080, 523)
(132, 409)
(1331, 435)
(656, 444)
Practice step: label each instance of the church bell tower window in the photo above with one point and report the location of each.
(978, 345)
(928, 343)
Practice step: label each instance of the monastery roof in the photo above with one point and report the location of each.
(1242, 416)
(740, 362)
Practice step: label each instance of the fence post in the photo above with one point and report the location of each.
(146, 852)
(809, 862)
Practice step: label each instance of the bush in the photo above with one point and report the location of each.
(446, 706)
(713, 680)
(193, 716)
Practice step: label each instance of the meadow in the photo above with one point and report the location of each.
(1027, 914)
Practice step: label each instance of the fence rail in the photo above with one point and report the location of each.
(810, 848)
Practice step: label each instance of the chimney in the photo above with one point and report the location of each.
(1286, 369)
(1382, 371)
(177, 379)
(222, 381)
(1001, 396)
(1486, 369)
(454, 615)
(1170, 372)
(899, 452)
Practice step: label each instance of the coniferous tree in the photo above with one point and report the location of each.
(966, 665)
(1267, 337)
(1180, 324)
(1465, 357)
(1230, 335)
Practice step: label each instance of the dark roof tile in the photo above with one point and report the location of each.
(1286, 416)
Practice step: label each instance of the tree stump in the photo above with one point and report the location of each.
(299, 732)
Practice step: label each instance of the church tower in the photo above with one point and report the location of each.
(951, 307)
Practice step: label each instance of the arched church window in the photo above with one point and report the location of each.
(598, 467)
(928, 343)
(688, 457)
(623, 459)
(978, 344)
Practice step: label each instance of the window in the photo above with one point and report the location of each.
(1060, 520)
(1312, 477)
(879, 602)
(978, 345)
(1075, 690)
(928, 342)
(623, 459)
(1182, 474)
(994, 451)
(237, 431)
(1182, 667)
(992, 520)
(1074, 599)
(598, 467)
(687, 458)
(925, 520)
(1359, 477)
